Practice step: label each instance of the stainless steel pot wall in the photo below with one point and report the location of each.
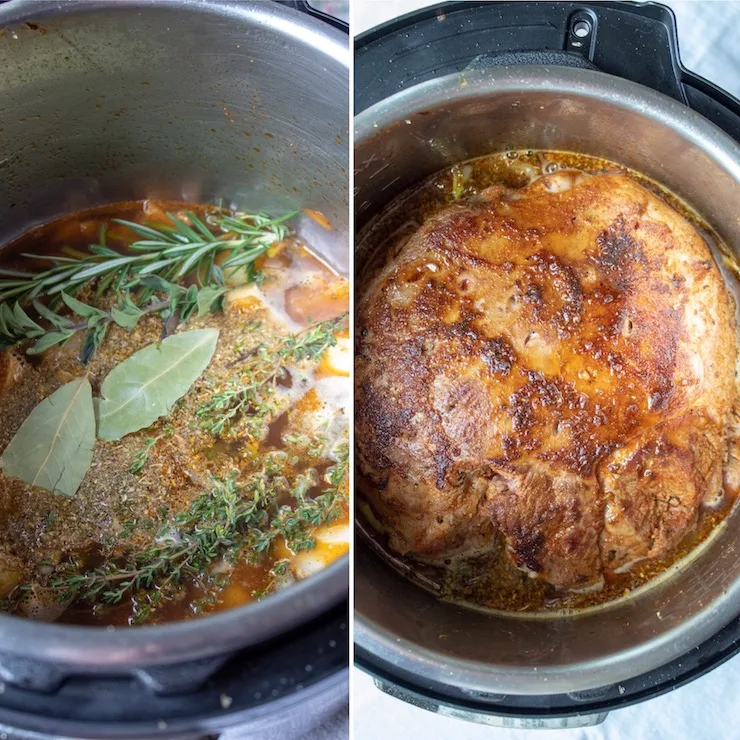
(188, 99)
(419, 131)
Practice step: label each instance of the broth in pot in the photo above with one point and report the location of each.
(174, 386)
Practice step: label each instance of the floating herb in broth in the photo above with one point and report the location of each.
(146, 385)
(246, 401)
(54, 446)
(176, 516)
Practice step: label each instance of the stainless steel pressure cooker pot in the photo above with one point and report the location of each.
(196, 100)
(481, 97)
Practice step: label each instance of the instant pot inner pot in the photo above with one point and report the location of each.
(198, 101)
(103, 102)
(402, 140)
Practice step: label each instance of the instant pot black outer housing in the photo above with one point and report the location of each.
(279, 689)
(638, 43)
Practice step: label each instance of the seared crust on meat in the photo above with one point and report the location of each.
(555, 364)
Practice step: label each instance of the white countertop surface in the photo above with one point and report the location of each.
(709, 41)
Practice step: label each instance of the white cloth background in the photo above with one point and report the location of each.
(709, 40)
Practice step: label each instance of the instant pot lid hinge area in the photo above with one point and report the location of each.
(583, 28)
(637, 42)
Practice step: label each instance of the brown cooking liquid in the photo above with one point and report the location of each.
(44, 530)
(490, 580)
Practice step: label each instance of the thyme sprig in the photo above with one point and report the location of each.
(162, 256)
(232, 516)
(296, 523)
(248, 397)
(141, 458)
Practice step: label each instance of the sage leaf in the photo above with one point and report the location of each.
(127, 313)
(60, 322)
(125, 317)
(207, 297)
(6, 320)
(23, 320)
(93, 339)
(49, 340)
(147, 385)
(53, 448)
(82, 309)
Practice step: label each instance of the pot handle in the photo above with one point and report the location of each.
(490, 719)
(303, 6)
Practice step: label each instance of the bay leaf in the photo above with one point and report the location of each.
(53, 448)
(147, 385)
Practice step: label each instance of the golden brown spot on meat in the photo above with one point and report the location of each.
(383, 416)
(617, 246)
(553, 290)
(527, 549)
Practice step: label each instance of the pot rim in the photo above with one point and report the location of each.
(322, 37)
(93, 649)
(465, 87)
(631, 96)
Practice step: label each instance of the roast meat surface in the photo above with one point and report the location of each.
(554, 363)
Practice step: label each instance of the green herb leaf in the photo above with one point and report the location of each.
(53, 448)
(59, 322)
(164, 253)
(146, 385)
(93, 340)
(251, 391)
(142, 456)
(170, 250)
(23, 320)
(49, 340)
(127, 317)
(207, 297)
(232, 516)
(82, 309)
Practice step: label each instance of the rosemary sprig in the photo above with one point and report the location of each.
(232, 516)
(169, 251)
(249, 396)
(154, 263)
